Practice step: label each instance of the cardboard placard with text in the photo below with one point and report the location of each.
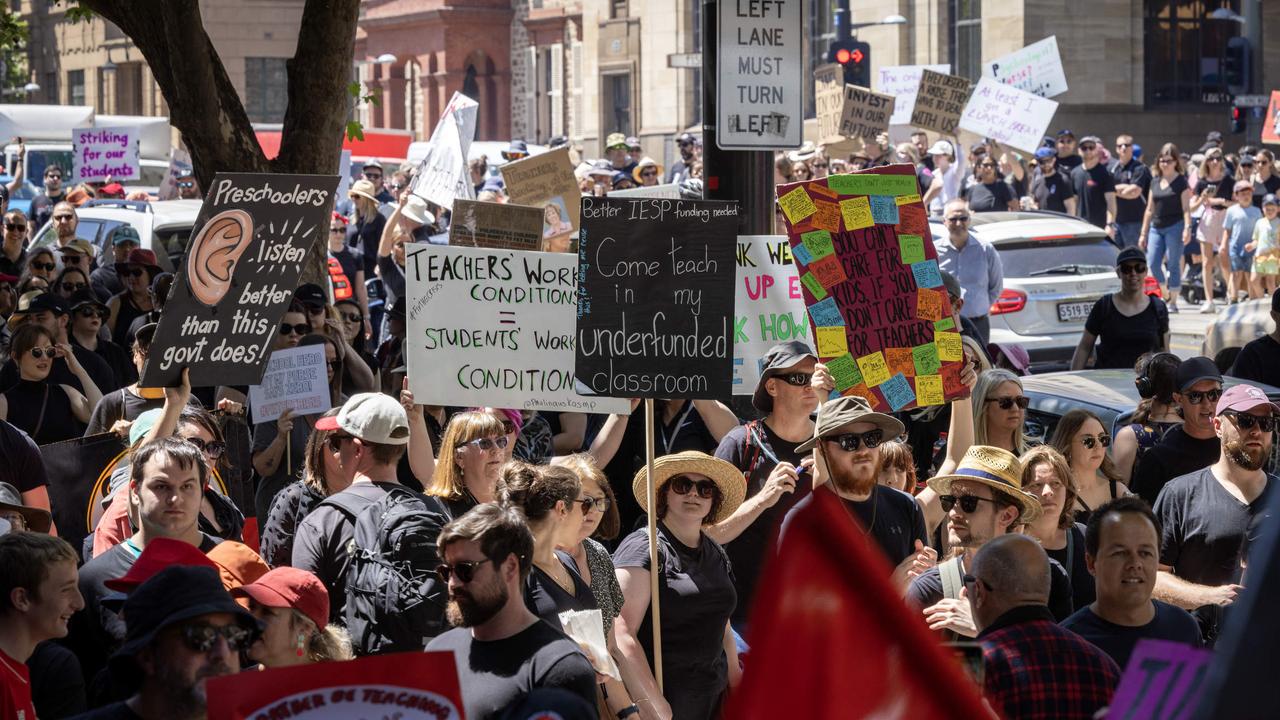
(768, 306)
(865, 113)
(880, 316)
(1036, 68)
(828, 99)
(442, 174)
(903, 82)
(546, 181)
(296, 379)
(1008, 115)
(99, 153)
(940, 102)
(496, 225)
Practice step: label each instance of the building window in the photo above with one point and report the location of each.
(966, 38)
(265, 89)
(822, 32)
(75, 87)
(1186, 52)
(617, 9)
(616, 103)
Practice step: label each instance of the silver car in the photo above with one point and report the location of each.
(1055, 268)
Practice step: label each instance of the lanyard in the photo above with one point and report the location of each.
(666, 442)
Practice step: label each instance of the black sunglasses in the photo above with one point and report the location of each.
(298, 329)
(1247, 421)
(373, 176)
(465, 570)
(14, 226)
(43, 266)
(850, 442)
(335, 441)
(1133, 269)
(968, 503)
(186, 184)
(213, 448)
(588, 503)
(41, 353)
(1005, 403)
(202, 638)
(797, 379)
(1087, 148)
(1102, 439)
(597, 503)
(681, 485)
(72, 286)
(133, 272)
(350, 317)
(1195, 397)
(338, 229)
(93, 312)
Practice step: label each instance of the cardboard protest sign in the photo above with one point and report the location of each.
(546, 181)
(768, 306)
(1271, 125)
(494, 327)
(105, 152)
(903, 82)
(496, 225)
(297, 379)
(241, 267)
(869, 274)
(1009, 115)
(655, 298)
(1163, 681)
(1036, 68)
(671, 191)
(408, 686)
(865, 113)
(442, 174)
(828, 98)
(940, 102)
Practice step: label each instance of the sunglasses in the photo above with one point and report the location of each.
(968, 503)
(133, 272)
(351, 317)
(986, 165)
(597, 503)
(1102, 439)
(588, 503)
(487, 444)
(41, 353)
(315, 309)
(335, 442)
(681, 485)
(1088, 148)
(1164, 160)
(186, 184)
(55, 176)
(850, 442)
(43, 266)
(74, 286)
(201, 638)
(298, 329)
(63, 218)
(1133, 269)
(465, 570)
(820, 166)
(649, 173)
(213, 448)
(373, 176)
(1195, 397)
(395, 186)
(1005, 403)
(14, 226)
(797, 379)
(337, 230)
(1120, 144)
(958, 219)
(1245, 421)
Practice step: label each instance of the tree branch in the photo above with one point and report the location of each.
(311, 141)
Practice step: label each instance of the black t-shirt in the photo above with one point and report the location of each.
(352, 261)
(1066, 164)
(926, 590)
(123, 405)
(889, 516)
(42, 208)
(1170, 623)
(57, 685)
(1091, 186)
(291, 505)
(1261, 189)
(748, 448)
(1052, 191)
(1134, 173)
(1177, 454)
(22, 467)
(1259, 361)
(365, 234)
(495, 674)
(1071, 557)
(123, 370)
(988, 197)
(1167, 204)
(545, 598)
(114, 711)
(1122, 339)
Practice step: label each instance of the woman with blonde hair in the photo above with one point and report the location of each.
(293, 607)
(1083, 441)
(320, 479)
(1045, 475)
(999, 411)
(469, 466)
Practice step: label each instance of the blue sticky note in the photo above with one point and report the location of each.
(927, 275)
(897, 392)
(801, 254)
(884, 210)
(826, 314)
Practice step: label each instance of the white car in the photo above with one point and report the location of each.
(1055, 268)
(1236, 326)
(163, 226)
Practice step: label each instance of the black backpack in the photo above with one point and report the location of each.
(395, 599)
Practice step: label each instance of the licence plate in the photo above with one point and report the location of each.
(1074, 311)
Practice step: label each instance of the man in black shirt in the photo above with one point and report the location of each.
(1207, 515)
(1052, 189)
(1068, 158)
(989, 193)
(42, 204)
(1259, 360)
(1093, 185)
(1132, 184)
(1188, 447)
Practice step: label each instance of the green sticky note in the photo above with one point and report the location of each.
(926, 359)
(945, 323)
(844, 371)
(912, 249)
(873, 184)
(818, 243)
(814, 286)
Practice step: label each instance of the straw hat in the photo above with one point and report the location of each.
(644, 163)
(732, 484)
(364, 189)
(997, 469)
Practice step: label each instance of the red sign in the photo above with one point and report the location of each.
(1270, 124)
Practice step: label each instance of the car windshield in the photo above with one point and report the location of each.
(1067, 256)
(37, 161)
(95, 230)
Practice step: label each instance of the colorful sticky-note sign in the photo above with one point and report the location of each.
(815, 287)
(828, 271)
(827, 216)
(832, 341)
(907, 199)
(864, 392)
(912, 219)
(797, 205)
(844, 372)
(883, 210)
(925, 358)
(826, 313)
(900, 360)
(911, 247)
(874, 184)
(801, 255)
(949, 346)
(897, 392)
(945, 323)
(928, 304)
(951, 384)
(820, 189)
(857, 213)
(929, 390)
(818, 243)
(927, 274)
(874, 368)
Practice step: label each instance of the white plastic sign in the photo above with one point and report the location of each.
(1009, 115)
(1036, 68)
(760, 75)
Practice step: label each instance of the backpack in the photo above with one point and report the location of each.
(395, 599)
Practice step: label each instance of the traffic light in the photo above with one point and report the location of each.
(855, 57)
(1237, 121)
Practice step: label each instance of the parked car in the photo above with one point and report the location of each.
(1234, 327)
(164, 226)
(1055, 268)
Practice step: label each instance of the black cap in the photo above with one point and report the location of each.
(52, 302)
(779, 358)
(80, 298)
(311, 294)
(686, 139)
(1130, 254)
(1193, 370)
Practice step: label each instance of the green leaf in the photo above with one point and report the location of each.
(353, 88)
(355, 131)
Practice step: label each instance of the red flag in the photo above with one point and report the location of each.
(832, 638)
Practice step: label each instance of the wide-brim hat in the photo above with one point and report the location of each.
(835, 414)
(140, 256)
(644, 163)
(37, 519)
(365, 189)
(729, 479)
(615, 140)
(999, 470)
(415, 208)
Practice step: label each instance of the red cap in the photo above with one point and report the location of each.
(113, 189)
(287, 587)
(156, 556)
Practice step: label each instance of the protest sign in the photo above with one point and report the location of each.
(865, 113)
(407, 686)
(179, 166)
(250, 240)
(494, 327)
(105, 152)
(442, 174)
(759, 79)
(1163, 681)
(1271, 125)
(1008, 115)
(903, 82)
(78, 473)
(670, 191)
(655, 298)
(1036, 68)
(546, 181)
(828, 98)
(496, 225)
(768, 306)
(939, 102)
(297, 379)
(869, 274)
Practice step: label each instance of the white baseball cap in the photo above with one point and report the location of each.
(942, 147)
(372, 417)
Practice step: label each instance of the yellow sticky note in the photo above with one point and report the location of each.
(874, 369)
(832, 341)
(949, 347)
(929, 390)
(797, 205)
(907, 200)
(857, 213)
